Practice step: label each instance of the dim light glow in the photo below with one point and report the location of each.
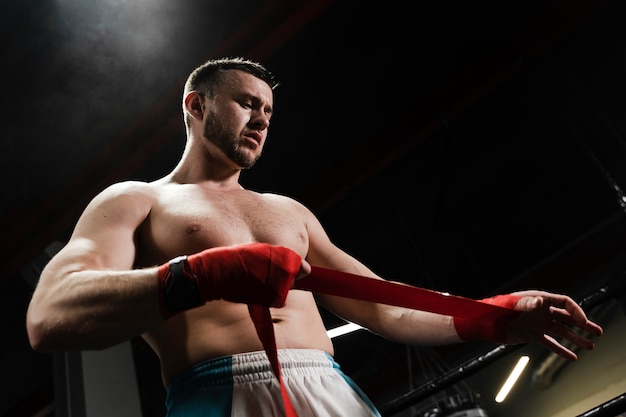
(341, 330)
(512, 379)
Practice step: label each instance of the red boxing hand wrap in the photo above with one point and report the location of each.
(488, 328)
(255, 273)
(178, 289)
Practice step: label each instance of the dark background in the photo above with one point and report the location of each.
(468, 147)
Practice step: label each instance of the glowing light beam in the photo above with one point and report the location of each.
(512, 379)
(341, 330)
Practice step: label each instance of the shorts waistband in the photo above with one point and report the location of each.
(254, 367)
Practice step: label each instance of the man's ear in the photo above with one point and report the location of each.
(194, 104)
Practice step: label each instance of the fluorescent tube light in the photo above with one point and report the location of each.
(512, 379)
(346, 328)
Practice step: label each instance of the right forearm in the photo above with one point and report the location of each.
(78, 307)
(93, 309)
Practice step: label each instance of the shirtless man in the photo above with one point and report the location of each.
(113, 280)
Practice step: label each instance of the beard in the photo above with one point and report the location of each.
(225, 140)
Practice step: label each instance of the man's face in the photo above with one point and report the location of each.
(237, 118)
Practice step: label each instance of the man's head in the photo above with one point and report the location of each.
(228, 102)
(206, 78)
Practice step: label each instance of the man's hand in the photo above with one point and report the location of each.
(254, 273)
(545, 316)
(538, 317)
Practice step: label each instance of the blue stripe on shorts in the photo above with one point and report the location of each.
(243, 385)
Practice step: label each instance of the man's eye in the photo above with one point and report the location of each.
(246, 105)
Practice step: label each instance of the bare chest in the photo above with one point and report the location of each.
(190, 220)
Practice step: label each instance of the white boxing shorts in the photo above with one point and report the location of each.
(243, 385)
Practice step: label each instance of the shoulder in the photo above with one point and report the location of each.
(287, 201)
(128, 190)
(137, 188)
(131, 197)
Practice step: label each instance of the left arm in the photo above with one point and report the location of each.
(399, 324)
(543, 314)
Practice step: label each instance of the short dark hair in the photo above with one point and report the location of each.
(204, 78)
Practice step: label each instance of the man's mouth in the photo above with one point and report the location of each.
(254, 138)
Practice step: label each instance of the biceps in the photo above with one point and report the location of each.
(103, 242)
(81, 254)
(109, 249)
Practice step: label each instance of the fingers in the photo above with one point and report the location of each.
(593, 328)
(564, 332)
(582, 322)
(579, 318)
(551, 344)
(555, 315)
(571, 314)
(562, 308)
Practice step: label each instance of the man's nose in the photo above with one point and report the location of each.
(260, 120)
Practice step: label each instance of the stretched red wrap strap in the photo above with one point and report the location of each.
(328, 281)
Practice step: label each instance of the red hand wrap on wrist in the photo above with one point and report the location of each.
(178, 287)
(488, 328)
(256, 273)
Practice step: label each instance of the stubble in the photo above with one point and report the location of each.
(226, 140)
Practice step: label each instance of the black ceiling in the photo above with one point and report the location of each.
(471, 148)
